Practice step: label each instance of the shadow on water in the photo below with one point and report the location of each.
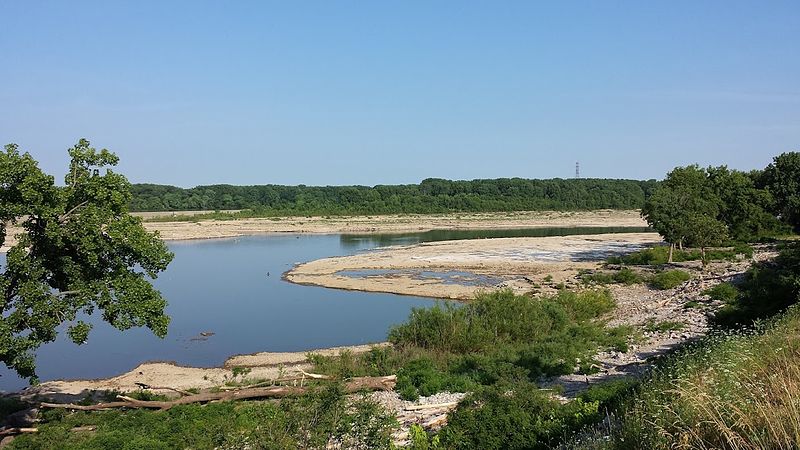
(388, 239)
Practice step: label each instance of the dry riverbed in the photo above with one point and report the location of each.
(216, 229)
(458, 269)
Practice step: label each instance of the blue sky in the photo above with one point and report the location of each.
(388, 92)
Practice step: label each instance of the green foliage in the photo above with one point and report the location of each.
(313, 421)
(496, 318)
(669, 279)
(659, 255)
(667, 325)
(430, 196)
(421, 441)
(725, 292)
(769, 287)
(624, 276)
(499, 337)
(10, 405)
(514, 416)
(421, 377)
(240, 371)
(732, 390)
(704, 207)
(80, 252)
(610, 395)
(683, 198)
(782, 180)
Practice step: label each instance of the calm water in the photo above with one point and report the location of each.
(222, 286)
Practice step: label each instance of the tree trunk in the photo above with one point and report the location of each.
(671, 248)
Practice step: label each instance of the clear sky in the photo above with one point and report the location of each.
(384, 92)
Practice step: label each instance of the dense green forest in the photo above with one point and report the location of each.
(430, 196)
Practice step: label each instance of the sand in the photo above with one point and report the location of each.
(214, 229)
(264, 365)
(516, 263)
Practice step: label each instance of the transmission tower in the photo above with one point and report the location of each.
(577, 169)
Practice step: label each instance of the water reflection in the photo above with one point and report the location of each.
(385, 240)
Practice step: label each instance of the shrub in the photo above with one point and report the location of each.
(769, 288)
(660, 255)
(421, 377)
(624, 276)
(514, 416)
(723, 291)
(501, 337)
(669, 279)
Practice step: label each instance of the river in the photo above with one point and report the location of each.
(233, 289)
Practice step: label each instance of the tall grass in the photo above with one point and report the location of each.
(499, 337)
(736, 391)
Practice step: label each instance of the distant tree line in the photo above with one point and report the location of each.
(704, 207)
(430, 196)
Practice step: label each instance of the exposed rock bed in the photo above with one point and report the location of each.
(639, 306)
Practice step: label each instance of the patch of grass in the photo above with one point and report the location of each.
(240, 371)
(725, 292)
(669, 279)
(667, 325)
(624, 276)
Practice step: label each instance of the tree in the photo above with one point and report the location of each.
(677, 203)
(79, 252)
(744, 208)
(782, 180)
(704, 231)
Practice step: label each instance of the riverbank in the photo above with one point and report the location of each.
(216, 229)
(458, 269)
(165, 377)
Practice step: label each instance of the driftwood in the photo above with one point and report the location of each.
(15, 430)
(301, 378)
(431, 406)
(353, 385)
(145, 386)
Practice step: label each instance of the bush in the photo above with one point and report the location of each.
(769, 288)
(514, 416)
(501, 337)
(624, 276)
(669, 279)
(421, 377)
(660, 255)
(725, 292)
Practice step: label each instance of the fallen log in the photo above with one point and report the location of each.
(16, 430)
(302, 377)
(353, 385)
(431, 406)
